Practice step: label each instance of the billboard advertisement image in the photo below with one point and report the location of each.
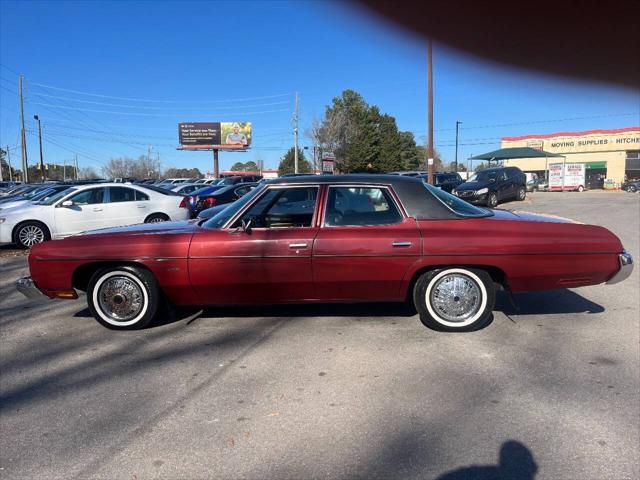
(208, 135)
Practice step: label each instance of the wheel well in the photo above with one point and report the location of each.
(42, 224)
(82, 275)
(497, 275)
(157, 214)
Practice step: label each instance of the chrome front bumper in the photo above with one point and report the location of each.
(626, 267)
(28, 288)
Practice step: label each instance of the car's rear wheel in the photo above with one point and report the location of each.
(454, 298)
(521, 194)
(156, 218)
(631, 188)
(123, 298)
(492, 200)
(30, 233)
(581, 188)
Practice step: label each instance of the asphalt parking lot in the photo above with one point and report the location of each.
(549, 391)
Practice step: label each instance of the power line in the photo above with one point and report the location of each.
(160, 108)
(156, 114)
(138, 99)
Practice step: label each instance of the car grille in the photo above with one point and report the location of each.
(465, 193)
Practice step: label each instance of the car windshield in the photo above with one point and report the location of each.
(483, 176)
(54, 198)
(218, 221)
(456, 205)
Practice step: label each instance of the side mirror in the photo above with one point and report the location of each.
(245, 224)
(67, 204)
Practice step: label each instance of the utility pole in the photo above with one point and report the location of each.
(295, 136)
(76, 166)
(158, 161)
(64, 170)
(430, 152)
(36, 117)
(457, 125)
(9, 162)
(23, 138)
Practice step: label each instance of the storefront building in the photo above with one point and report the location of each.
(610, 156)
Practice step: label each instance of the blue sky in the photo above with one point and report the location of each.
(193, 59)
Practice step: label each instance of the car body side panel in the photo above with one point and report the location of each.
(52, 264)
(534, 255)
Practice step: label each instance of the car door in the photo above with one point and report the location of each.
(504, 187)
(123, 208)
(87, 212)
(365, 245)
(268, 263)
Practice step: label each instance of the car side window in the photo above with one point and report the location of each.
(121, 194)
(141, 196)
(360, 206)
(89, 197)
(283, 208)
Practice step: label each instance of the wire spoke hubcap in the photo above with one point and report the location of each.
(30, 235)
(120, 298)
(455, 297)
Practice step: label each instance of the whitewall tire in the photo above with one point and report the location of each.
(123, 298)
(454, 298)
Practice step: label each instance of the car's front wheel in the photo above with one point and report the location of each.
(454, 298)
(30, 233)
(631, 188)
(492, 200)
(123, 298)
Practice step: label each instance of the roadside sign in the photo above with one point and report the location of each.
(570, 178)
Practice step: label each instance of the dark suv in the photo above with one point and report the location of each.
(493, 185)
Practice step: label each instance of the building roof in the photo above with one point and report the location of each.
(572, 134)
(515, 152)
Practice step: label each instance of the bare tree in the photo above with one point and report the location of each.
(87, 173)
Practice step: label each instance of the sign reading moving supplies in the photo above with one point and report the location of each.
(209, 135)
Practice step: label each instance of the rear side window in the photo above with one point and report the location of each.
(121, 194)
(141, 196)
(360, 206)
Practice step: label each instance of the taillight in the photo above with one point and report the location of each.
(209, 201)
(184, 203)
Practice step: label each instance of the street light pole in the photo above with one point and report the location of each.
(457, 125)
(36, 117)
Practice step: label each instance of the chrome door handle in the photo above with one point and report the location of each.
(401, 244)
(142, 206)
(297, 245)
(97, 209)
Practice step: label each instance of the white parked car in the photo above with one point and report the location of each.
(88, 207)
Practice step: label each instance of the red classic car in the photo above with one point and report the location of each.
(350, 238)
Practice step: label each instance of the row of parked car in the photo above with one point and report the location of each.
(31, 214)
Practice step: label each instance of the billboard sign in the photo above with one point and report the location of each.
(209, 135)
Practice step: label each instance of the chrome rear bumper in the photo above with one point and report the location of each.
(27, 287)
(626, 267)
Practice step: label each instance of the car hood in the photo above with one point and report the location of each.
(473, 185)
